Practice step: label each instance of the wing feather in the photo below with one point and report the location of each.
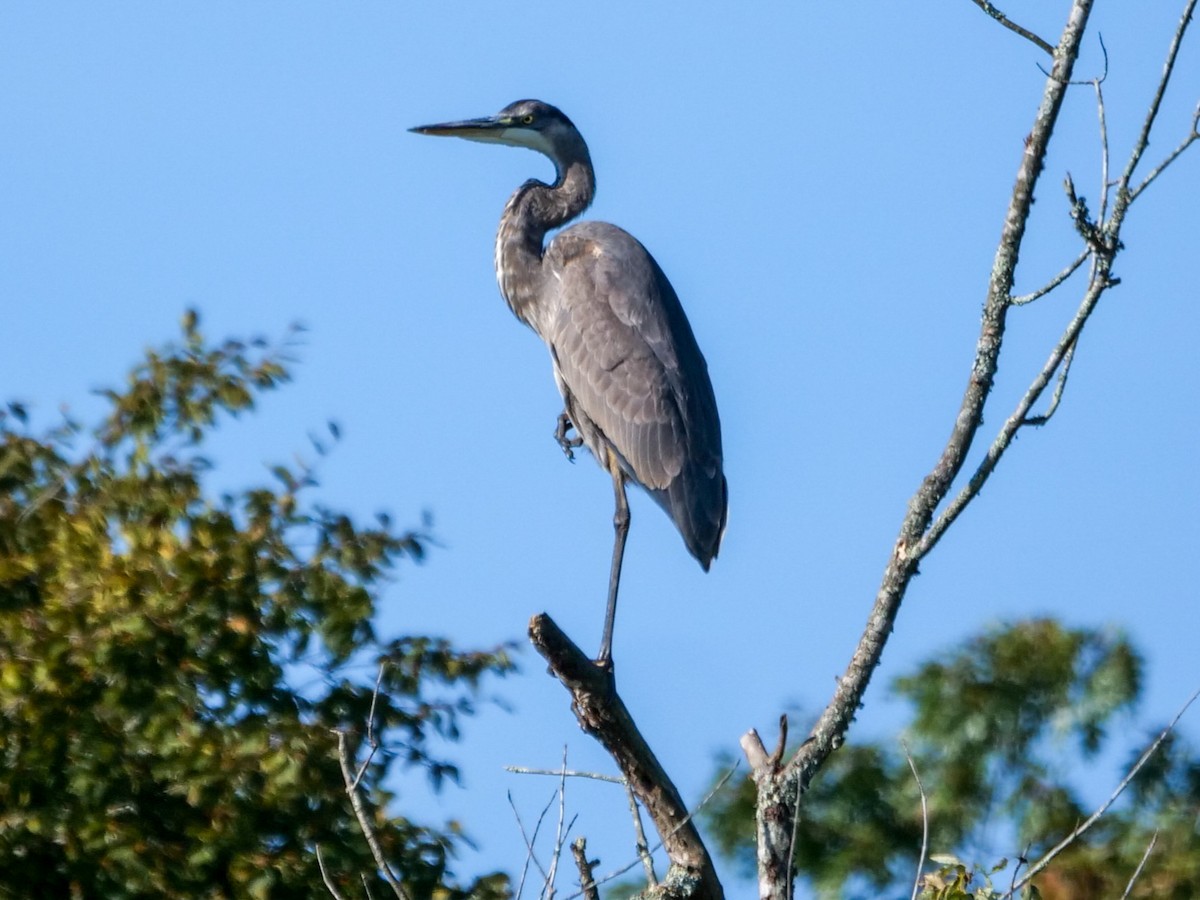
(633, 377)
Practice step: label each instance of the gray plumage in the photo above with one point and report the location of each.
(633, 380)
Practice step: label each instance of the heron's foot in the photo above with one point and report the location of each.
(562, 432)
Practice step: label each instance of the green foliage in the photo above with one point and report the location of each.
(996, 725)
(153, 737)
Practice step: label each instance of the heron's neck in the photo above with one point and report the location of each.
(533, 210)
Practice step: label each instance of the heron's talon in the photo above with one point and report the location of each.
(568, 444)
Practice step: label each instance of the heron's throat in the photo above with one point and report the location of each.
(533, 210)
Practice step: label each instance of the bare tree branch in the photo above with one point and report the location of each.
(586, 882)
(560, 833)
(1120, 789)
(640, 842)
(329, 885)
(567, 773)
(1018, 418)
(1098, 84)
(601, 713)
(1059, 386)
(1013, 26)
(1053, 282)
(1141, 865)
(1193, 135)
(830, 728)
(1103, 245)
(1143, 140)
(670, 887)
(530, 841)
(924, 822)
(364, 819)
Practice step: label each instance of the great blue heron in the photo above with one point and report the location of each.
(634, 383)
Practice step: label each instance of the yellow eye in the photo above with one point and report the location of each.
(527, 120)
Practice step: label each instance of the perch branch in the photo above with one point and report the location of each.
(602, 714)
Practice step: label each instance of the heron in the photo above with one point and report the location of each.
(635, 386)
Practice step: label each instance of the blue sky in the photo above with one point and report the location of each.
(824, 185)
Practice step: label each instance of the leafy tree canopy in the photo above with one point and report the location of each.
(154, 738)
(995, 725)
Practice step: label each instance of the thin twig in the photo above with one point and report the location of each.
(1143, 140)
(569, 773)
(1022, 860)
(1060, 385)
(1053, 282)
(329, 886)
(1012, 26)
(1095, 817)
(1193, 135)
(924, 822)
(1138, 871)
(560, 833)
(617, 873)
(364, 821)
(372, 743)
(529, 841)
(639, 834)
(1098, 83)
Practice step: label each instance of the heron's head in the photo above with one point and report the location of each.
(526, 123)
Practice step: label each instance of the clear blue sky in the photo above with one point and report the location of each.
(823, 183)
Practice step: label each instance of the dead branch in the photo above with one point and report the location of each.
(602, 714)
(585, 867)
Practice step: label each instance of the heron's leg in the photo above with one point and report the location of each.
(621, 526)
(568, 444)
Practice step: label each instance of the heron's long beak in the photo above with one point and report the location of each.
(489, 129)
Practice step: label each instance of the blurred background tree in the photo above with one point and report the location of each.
(997, 726)
(174, 665)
